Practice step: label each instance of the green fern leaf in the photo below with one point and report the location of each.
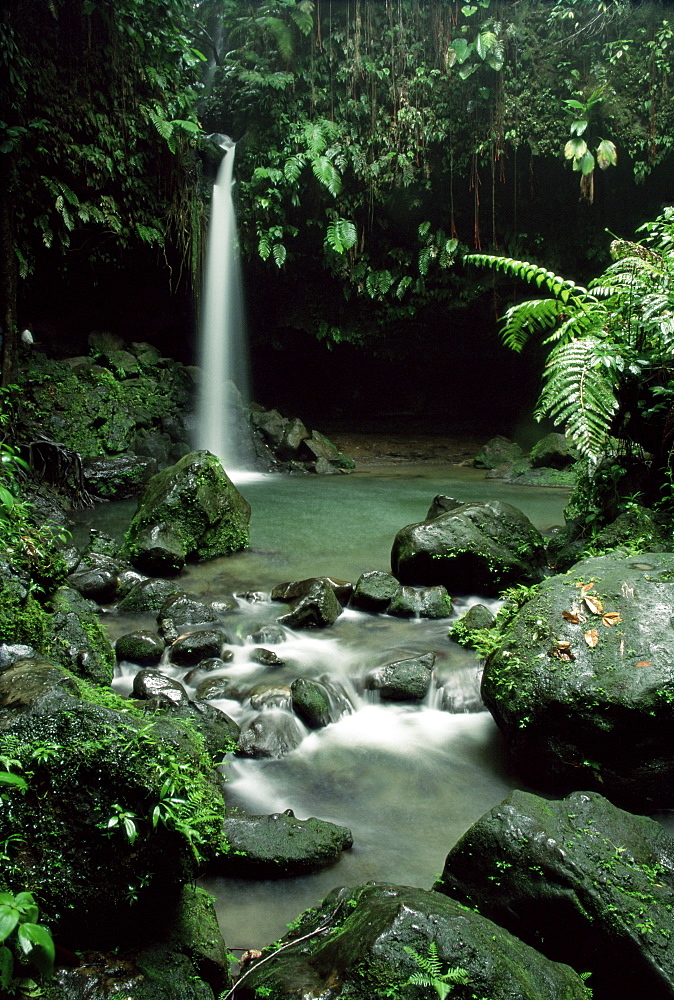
(279, 254)
(293, 167)
(579, 394)
(327, 175)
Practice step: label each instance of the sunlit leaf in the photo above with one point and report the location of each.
(644, 663)
(607, 155)
(591, 637)
(594, 605)
(571, 616)
(611, 618)
(575, 148)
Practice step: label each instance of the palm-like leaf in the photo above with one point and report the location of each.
(580, 393)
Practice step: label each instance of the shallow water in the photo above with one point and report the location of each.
(407, 780)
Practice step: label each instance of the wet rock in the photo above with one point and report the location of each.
(127, 580)
(118, 477)
(318, 607)
(496, 452)
(371, 934)
(215, 662)
(269, 696)
(581, 683)
(374, 590)
(158, 548)
(151, 684)
(294, 433)
(98, 583)
(270, 635)
(476, 619)
(270, 734)
(271, 425)
(202, 644)
(147, 596)
(579, 879)
(218, 687)
(266, 657)
(300, 588)
(553, 452)
(142, 647)
(479, 547)
(219, 732)
(281, 845)
(442, 505)
(403, 680)
(10, 653)
(428, 602)
(320, 447)
(201, 509)
(181, 609)
(311, 702)
(101, 760)
(79, 640)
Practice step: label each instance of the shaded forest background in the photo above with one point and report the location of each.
(375, 141)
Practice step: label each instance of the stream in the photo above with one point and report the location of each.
(407, 780)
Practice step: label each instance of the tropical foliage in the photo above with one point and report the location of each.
(610, 371)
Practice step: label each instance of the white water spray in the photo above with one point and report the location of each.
(223, 355)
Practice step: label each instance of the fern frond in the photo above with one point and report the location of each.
(579, 393)
(327, 175)
(561, 287)
(341, 235)
(523, 320)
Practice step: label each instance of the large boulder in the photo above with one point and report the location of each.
(582, 680)
(498, 451)
(185, 958)
(403, 680)
(119, 476)
(79, 641)
(280, 844)
(117, 806)
(315, 606)
(191, 511)
(581, 880)
(369, 941)
(477, 547)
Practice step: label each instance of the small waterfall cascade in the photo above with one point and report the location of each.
(223, 352)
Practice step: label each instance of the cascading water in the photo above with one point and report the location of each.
(223, 354)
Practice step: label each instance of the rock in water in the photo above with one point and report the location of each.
(191, 511)
(478, 548)
(582, 680)
(366, 943)
(581, 880)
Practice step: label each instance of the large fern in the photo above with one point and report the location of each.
(619, 327)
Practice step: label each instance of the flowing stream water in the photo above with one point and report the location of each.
(407, 780)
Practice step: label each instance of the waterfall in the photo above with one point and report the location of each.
(223, 357)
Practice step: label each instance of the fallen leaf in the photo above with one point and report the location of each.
(592, 637)
(594, 605)
(611, 618)
(563, 644)
(570, 616)
(584, 587)
(644, 663)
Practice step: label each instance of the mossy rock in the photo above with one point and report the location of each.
(368, 942)
(582, 881)
(83, 837)
(281, 844)
(207, 515)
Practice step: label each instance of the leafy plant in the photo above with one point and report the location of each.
(577, 149)
(25, 945)
(615, 335)
(431, 973)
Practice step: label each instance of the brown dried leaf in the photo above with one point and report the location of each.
(592, 637)
(563, 644)
(584, 587)
(644, 663)
(611, 618)
(594, 605)
(570, 616)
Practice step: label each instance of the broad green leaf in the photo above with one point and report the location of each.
(607, 155)
(467, 70)
(39, 943)
(496, 57)
(587, 163)
(6, 967)
(486, 41)
(575, 104)
(468, 10)
(462, 49)
(578, 126)
(9, 918)
(575, 148)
